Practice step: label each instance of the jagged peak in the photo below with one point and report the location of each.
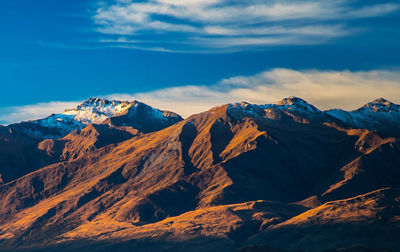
(292, 100)
(95, 102)
(380, 105)
(296, 103)
(381, 100)
(101, 111)
(292, 106)
(290, 103)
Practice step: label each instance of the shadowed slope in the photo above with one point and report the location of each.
(371, 219)
(28, 146)
(19, 155)
(92, 137)
(226, 156)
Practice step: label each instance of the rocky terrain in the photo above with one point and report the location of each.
(239, 177)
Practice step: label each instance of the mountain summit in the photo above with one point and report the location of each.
(286, 175)
(294, 101)
(381, 105)
(100, 111)
(95, 110)
(379, 115)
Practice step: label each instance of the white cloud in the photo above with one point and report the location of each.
(325, 30)
(33, 111)
(188, 3)
(325, 89)
(236, 23)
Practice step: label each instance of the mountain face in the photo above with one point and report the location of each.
(239, 176)
(367, 219)
(28, 146)
(80, 142)
(19, 154)
(379, 115)
(99, 111)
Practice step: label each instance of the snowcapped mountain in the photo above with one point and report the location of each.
(96, 111)
(219, 180)
(99, 111)
(295, 103)
(290, 104)
(380, 115)
(291, 108)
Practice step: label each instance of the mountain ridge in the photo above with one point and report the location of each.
(220, 179)
(98, 111)
(103, 111)
(46, 140)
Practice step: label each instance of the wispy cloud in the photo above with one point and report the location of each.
(325, 89)
(228, 23)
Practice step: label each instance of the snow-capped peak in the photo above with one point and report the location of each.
(245, 108)
(99, 111)
(291, 106)
(97, 102)
(380, 114)
(297, 103)
(95, 110)
(380, 105)
(292, 100)
(289, 103)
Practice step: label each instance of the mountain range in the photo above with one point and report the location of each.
(239, 177)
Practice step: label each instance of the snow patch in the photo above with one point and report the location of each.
(92, 111)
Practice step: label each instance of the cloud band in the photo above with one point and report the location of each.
(325, 89)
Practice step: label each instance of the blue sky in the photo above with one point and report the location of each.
(65, 51)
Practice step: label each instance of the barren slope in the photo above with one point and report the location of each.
(371, 219)
(209, 179)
